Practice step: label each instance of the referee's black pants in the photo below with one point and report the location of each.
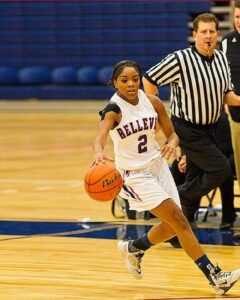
(207, 167)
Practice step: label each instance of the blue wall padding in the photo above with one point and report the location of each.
(8, 75)
(65, 75)
(88, 75)
(34, 75)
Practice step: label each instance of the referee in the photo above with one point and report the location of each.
(231, 47)
(200, 83)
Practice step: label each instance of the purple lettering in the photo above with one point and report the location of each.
(128, 132)
(134, 130)
(145, 123)
(151, 122)
(121, 133)
(139, 127)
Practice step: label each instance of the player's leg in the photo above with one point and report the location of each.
(143, 193)
(172, 215)
(133, 250)
(160, 232)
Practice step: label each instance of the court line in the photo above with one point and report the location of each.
(64, 233)
(80, 231)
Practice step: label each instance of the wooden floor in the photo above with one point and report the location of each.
(45, 150)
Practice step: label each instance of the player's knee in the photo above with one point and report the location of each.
(185, 226)
(181, 221)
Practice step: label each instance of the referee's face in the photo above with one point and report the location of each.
(237, 18)
(206, 38)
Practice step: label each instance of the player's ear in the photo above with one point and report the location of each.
(115, 83)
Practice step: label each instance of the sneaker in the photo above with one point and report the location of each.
(223, 281)
(133, 257)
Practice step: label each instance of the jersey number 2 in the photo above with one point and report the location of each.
(142, 143)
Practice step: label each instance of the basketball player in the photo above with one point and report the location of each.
(131, 119)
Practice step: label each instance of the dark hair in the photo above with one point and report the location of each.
(207, 18)
(236, 4)
(117, 70)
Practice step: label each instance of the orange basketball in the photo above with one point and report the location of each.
(103, 182)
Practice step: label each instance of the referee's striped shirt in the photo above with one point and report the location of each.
(198, 84)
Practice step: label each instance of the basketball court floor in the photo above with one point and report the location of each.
(57, 243)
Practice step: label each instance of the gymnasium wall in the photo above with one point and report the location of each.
(66, 49)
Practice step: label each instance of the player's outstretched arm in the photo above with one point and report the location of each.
(99, 143)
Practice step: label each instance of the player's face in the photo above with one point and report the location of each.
(128, 83)
(206, 37)
(237, 18)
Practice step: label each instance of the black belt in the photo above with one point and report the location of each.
(193, 125)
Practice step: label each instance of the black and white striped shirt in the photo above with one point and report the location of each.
(198, 84)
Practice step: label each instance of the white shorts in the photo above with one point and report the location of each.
(145, 189)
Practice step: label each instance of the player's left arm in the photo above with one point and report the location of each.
(105, 126)
(169, 149)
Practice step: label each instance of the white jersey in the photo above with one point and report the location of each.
(135, 146)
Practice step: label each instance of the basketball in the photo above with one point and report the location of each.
(103, 182)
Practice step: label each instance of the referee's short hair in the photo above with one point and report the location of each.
(207, 18)
(236, 4)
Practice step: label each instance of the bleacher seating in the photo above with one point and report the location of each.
(65, 49)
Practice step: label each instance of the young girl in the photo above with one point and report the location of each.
(131, 119)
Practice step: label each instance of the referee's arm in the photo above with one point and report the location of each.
(232, 99)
